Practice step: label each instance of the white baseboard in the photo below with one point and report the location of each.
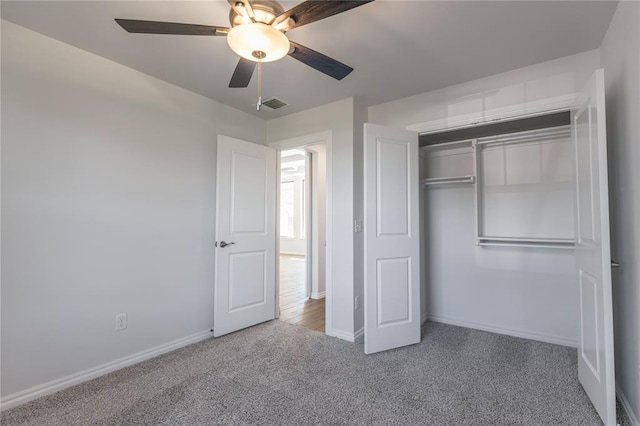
(349, 337)
(423, 318)
(320, 295)
(509, 332)
(53, 386)
(627, 407)
(358, 334)
(292, 253)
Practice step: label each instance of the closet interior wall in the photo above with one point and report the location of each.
(516, 290)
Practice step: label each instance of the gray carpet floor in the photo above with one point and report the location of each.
(282, 374)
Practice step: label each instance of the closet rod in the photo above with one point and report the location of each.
(551, 246)
(526, 242)
(530, 239)
(465, 143)
(443, 181)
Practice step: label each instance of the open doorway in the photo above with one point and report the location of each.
(302, 236)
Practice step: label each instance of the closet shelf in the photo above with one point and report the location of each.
(447, 180)
(540, 135)
(561, 243)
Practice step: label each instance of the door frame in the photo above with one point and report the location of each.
(301, 142)
(309, 218)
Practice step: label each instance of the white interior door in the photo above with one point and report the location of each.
(244, 292)
(391, 239)
(593, 257)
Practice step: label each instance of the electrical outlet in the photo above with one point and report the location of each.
(357, 302)
(121, 322)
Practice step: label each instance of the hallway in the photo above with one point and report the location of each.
(295, 308)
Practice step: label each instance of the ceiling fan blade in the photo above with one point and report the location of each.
(315, 10)
(320, 62)
(155, 27)
(242, 74)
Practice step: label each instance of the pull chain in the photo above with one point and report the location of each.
(259, 55)
(259, 104)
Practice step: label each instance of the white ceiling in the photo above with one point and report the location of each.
(397, 48)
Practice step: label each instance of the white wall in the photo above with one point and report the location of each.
(293, 246)
(515, 291)
(620, 55)
(108, 190)
(336, 117)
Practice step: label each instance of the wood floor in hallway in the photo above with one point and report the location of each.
(295, 308)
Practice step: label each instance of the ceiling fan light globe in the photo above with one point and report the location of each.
(258, 37)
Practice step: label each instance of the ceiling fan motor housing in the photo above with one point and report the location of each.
(265, 11)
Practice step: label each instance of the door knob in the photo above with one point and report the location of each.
(223, 244)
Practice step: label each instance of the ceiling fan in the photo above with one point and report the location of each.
(258, 34)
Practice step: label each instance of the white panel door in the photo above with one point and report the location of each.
(244, 292)
(391, 239)
(593, 257)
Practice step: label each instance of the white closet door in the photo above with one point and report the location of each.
(593, 257)
(244, 290)
(391, 239)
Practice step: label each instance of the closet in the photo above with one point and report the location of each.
(501, 227)
(497, 228)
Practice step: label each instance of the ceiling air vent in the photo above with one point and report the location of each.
(274, 103)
